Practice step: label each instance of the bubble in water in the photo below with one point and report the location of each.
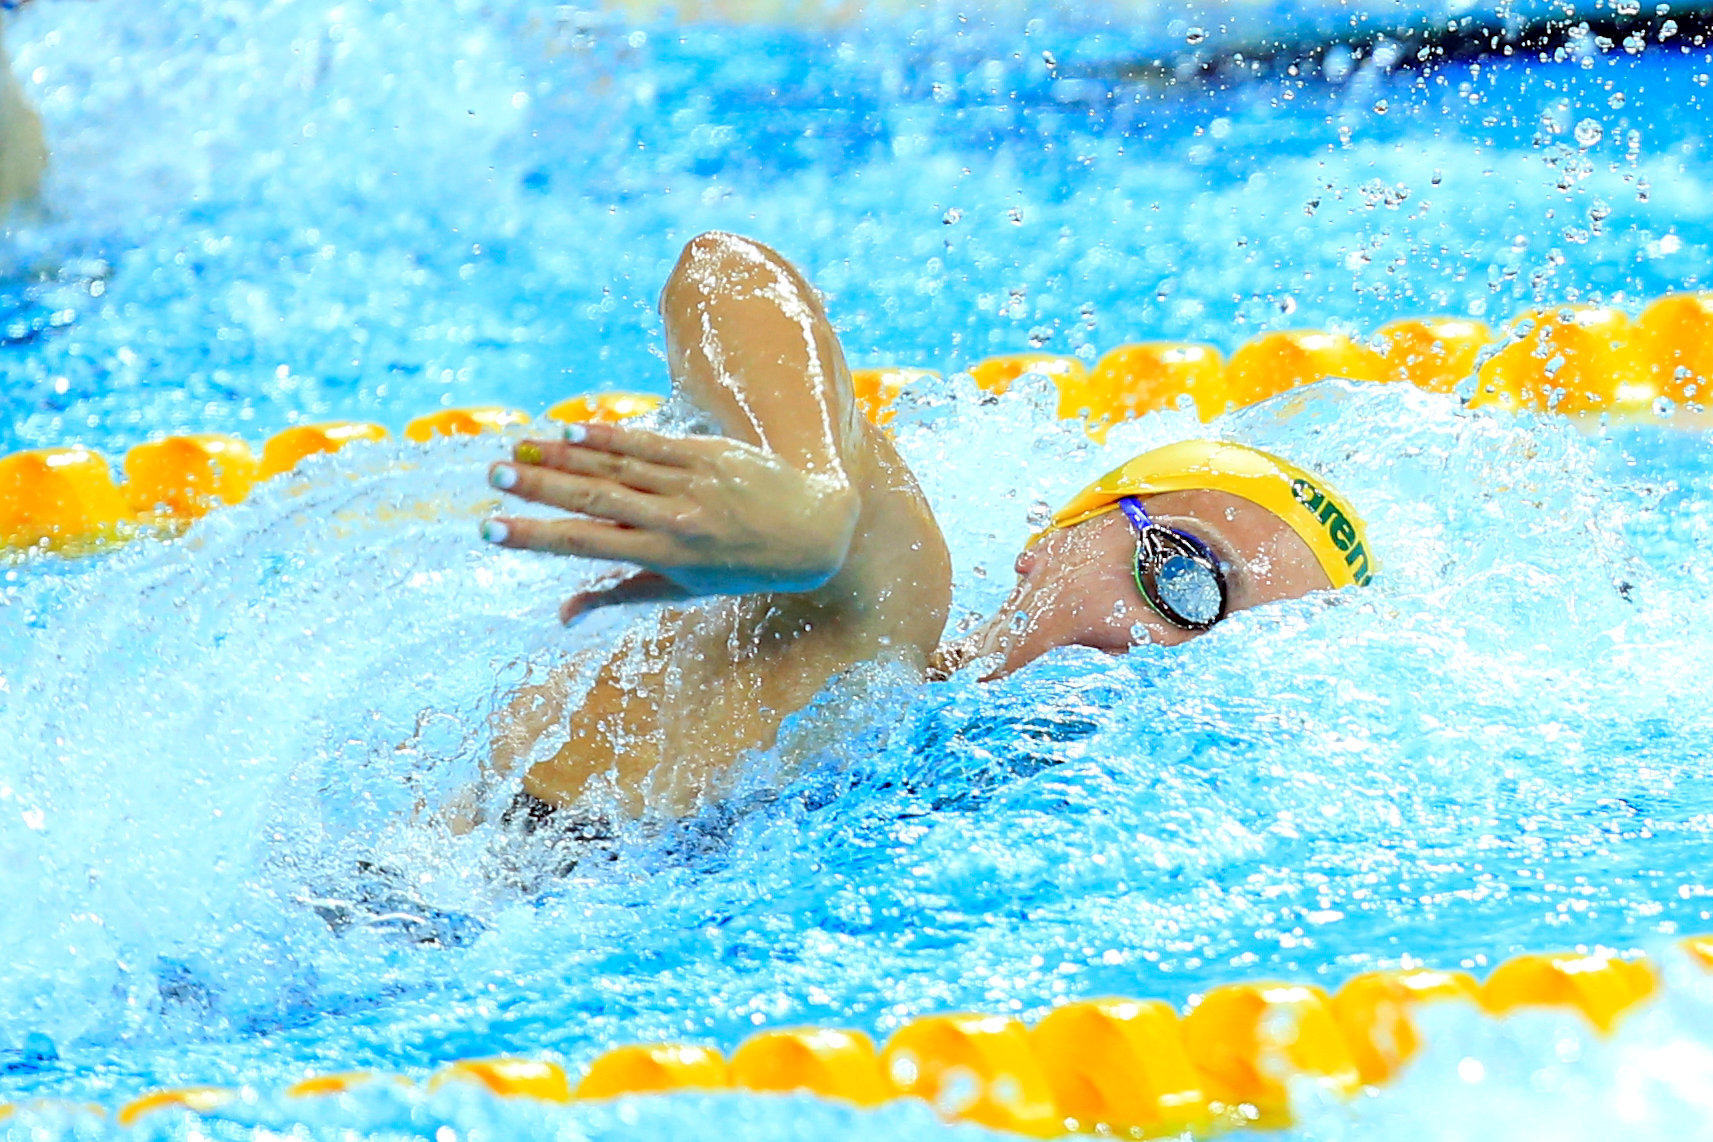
(1589, 132)
(1664, 407)
(1629, 7)
(951, 217)
(1016, 215)
(1382, 107)
(1617, 99)
(1040, 515)
(1667, 30)
(1195, 36)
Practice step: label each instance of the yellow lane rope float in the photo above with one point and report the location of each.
(1583, 360)
(1236, 1057)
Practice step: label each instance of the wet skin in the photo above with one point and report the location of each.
(791, 547)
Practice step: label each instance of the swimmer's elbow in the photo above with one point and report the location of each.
(710, 265)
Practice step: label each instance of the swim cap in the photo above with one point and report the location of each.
(1324, 520)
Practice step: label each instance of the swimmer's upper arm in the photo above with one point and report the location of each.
(749, 343)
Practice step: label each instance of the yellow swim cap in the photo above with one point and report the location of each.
(1324, 520)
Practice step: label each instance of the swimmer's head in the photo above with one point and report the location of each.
(1259, 528)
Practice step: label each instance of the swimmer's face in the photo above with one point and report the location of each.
(1077, 587)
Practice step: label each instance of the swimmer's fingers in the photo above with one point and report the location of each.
(587, 495)
(629, 587)
(638, 443)
(632, 472)
(588, 538)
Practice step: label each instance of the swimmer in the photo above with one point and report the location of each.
(796, 544)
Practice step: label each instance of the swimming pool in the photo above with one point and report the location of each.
(313, 210)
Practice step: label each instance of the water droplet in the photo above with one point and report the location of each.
(1382, 107)
(950, 217)
(1667, 30)
(1665, 408)
(1195, 36)
(1016, 215)
(1589, 132)
(1049, 59)
(1040, 515)
(1617, 100)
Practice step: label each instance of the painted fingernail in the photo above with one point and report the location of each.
(502, 476)
(528, 454)
(494, 531)
(575, 433)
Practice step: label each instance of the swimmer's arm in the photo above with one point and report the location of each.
(770, 505)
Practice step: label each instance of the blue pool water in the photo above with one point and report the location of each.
(296, 211)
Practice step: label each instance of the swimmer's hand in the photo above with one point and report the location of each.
(701, 515)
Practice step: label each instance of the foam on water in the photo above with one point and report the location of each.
(303, 210)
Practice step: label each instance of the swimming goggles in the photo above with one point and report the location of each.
(1176, 572)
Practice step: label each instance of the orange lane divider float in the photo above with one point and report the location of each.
(1586, 361)
(183, 477)
(66, 499)
(828, 1062)
(288, 448)
(1376, 1012)
(1433, 353)
(1116, 1067)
